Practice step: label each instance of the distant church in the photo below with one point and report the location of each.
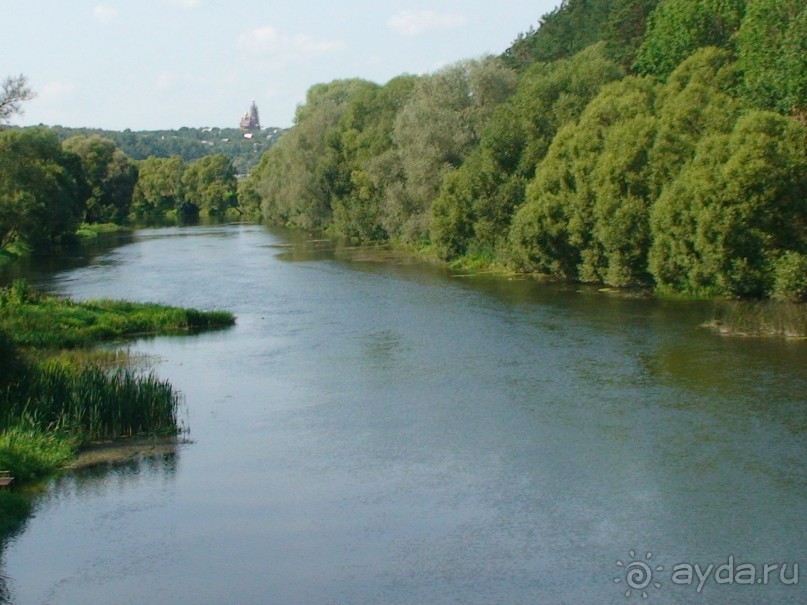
(250, 120)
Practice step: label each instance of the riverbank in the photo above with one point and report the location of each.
(57, 395)
(731, 317)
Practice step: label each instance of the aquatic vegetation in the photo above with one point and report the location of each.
(57, 393)
(761, 318)
(47, 322)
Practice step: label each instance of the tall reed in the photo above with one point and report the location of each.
(91, 402)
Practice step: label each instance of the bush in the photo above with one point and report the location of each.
(790, 277)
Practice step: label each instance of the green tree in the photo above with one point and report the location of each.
(366, 149)
(565, 31)
(210, 185)
(772, 45)
(624, 29)
(41, 189)
(677, 28)
(587, 210)
(111, 177)
(723, 223)
(437, 129)
(490, 185)
(159, 187)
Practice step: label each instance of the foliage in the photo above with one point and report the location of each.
(209, 185)
(556, 160)
(159, 187)
(110, 176)
(30, 454)
(565, 31)
(13, 92)
(740, 203)
(91, 402)
(475, 205)
(790, 277)
(42, 189)
(587, 214)
(772, 44)
(677, 28)
(187, 143)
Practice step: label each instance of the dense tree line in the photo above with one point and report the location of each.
(636, 143)
(49, 187)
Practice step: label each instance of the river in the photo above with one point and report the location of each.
(376, 430)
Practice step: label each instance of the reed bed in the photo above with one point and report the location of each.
(760, 318)
(92, 403)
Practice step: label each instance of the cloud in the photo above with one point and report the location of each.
(103, 13)
(184, 3)
(56, 91)
(165, 80)
(414, 23)
(267, 40)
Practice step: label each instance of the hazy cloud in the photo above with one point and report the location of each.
(414, 23)
(103, 13)
(184, 3)
(267, 40)
(165, 80)
(56, 90)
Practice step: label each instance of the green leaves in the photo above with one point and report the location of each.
(110, 176)
(42, 189)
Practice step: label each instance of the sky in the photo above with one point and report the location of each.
(164, 64)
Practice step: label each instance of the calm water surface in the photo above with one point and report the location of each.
(377, 431)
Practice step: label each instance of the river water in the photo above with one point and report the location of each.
(375, 430)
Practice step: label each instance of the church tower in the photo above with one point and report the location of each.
(250, 120)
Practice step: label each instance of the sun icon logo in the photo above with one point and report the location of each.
(638, 574)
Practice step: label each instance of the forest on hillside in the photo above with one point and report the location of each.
(187, 143)
(658, 144)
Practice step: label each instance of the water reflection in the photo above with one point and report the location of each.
(93, 488)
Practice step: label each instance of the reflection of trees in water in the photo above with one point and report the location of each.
(5, 595)
(92, 481)
(101, 478)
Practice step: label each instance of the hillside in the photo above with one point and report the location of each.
(188, 143)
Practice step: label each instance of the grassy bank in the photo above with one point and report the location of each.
(55, 395)
(42, 322)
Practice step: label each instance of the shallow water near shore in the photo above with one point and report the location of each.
(377, 430)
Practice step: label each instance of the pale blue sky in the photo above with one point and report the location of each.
(154, 64)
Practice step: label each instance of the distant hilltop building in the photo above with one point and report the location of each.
(250, 120)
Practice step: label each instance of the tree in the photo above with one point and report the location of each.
(573, 26)
(677, 28)
(772, 45)
(159, 187)
(734, 221)
(111, 176)
(475, 206)
(210, 185)
(437, 129)
(586, 214)
(41, 189)
(13, 92)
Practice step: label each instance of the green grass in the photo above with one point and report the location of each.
(39, 321)
(93, 230)
(29, 455)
